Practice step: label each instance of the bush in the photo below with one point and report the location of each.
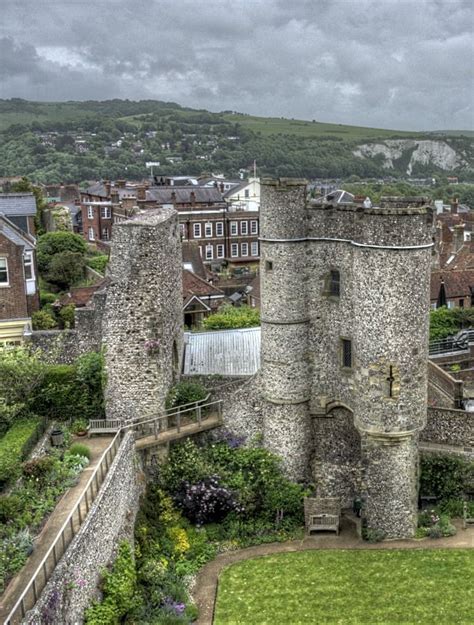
(80, 450)
(445, 477)
(98, 263)
(79, 425)
(11, 506)
(228, 317)
(47, 298)
(119, 587)
(207, 501)
(185, 393)
(39, 468)
(43, 320)
(12, 448)
(53, 243)
(65, 269)
(66, 315)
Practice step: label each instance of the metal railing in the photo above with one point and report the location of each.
(196, 412)
(452, 344)
(71, 526)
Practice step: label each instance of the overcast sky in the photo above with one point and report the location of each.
(383, 63)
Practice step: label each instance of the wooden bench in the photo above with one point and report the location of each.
(322, 514)
(103, 426)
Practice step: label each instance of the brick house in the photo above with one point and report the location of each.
(19, 296)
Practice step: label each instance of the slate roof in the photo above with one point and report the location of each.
(240, 187)
(203, 195)
(14, 234)
(224, 352)
(97, 189)
(19, 204)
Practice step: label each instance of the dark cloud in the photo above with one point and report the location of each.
(399, 64)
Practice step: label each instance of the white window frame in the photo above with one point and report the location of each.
(197, 231)
(209, 252)
(254, 227)
(220, 250)
(244, 249)
(254, 248)
(91, 234)
(182, 230)
(234, 247)
(28, 262)
(244, 227)
(7, 283)
(208, 230)
(90, 212)
(219, 228)
(234, 228)
(105, 212)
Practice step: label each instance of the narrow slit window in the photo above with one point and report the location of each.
(268, 265)
(346, 353)
(335, 283)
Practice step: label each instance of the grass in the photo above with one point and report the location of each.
(349, 587)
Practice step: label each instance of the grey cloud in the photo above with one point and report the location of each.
(402, 64)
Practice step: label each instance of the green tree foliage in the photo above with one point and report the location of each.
(446, 477)
(61, 258)
(228, 317)
(185, 393)
(98, 263)
(448, 321)
(21, 374)
(65, 269)
(43, 320)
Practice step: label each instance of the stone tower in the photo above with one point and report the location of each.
(143, 321)
(345, 344)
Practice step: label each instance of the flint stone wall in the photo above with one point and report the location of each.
(110, 520)
(449, 427)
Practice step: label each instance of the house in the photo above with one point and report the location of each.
(19, 294)
(20, 209)
(245, 196)
(458, 287)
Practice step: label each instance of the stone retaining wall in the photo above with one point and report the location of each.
(73, 584)
(449, 427)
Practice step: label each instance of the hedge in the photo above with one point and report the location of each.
(16, 445)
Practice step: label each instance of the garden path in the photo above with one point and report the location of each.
(205, 590)
(53, 525)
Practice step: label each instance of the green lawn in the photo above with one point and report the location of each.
(372, 586)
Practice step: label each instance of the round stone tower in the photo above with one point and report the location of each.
(285, 362)
(391, 278)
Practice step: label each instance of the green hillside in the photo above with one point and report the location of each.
(76, 141)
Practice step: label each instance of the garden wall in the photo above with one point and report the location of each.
(449, 427)
(73, 584)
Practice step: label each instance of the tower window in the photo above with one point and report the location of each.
(268, 265)
(335, 283)
(346, 353)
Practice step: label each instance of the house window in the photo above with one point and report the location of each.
(28, 264)
(346, 353)
(197, 231)
(234, 250)
(254, 227)
(461, 303)
(244, 249)
(3, 272)
(91, 234)
(451, 304)
(334, 283)
(105, 234)
(105, 212)
(244, 227)
(219, 229)
(182, 230)
(209, 252)
(234, 228)
(208, 229)
(247, 193)
(254, 248)
(90, 212)
(220, 251)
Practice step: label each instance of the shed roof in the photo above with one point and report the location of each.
(223, 352)
(18, 204)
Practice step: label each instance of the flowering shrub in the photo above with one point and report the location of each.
(434, 525)
(207, 501)
(151, 346)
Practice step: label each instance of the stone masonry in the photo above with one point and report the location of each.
(142, 328)
(345, 300)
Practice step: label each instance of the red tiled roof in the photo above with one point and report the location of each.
(194, 285)
(456, 282)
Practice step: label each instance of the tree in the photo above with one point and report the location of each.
(54, 243)
(229, 317)
(65, 269)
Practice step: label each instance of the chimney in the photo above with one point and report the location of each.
(173, 197)
(114, 196)
(454, 206)
(222, 187)
(121, 184)
(107, 187)
(193, 198)
(458, 237)
(141, 194)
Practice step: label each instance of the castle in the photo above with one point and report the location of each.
(345, 301)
